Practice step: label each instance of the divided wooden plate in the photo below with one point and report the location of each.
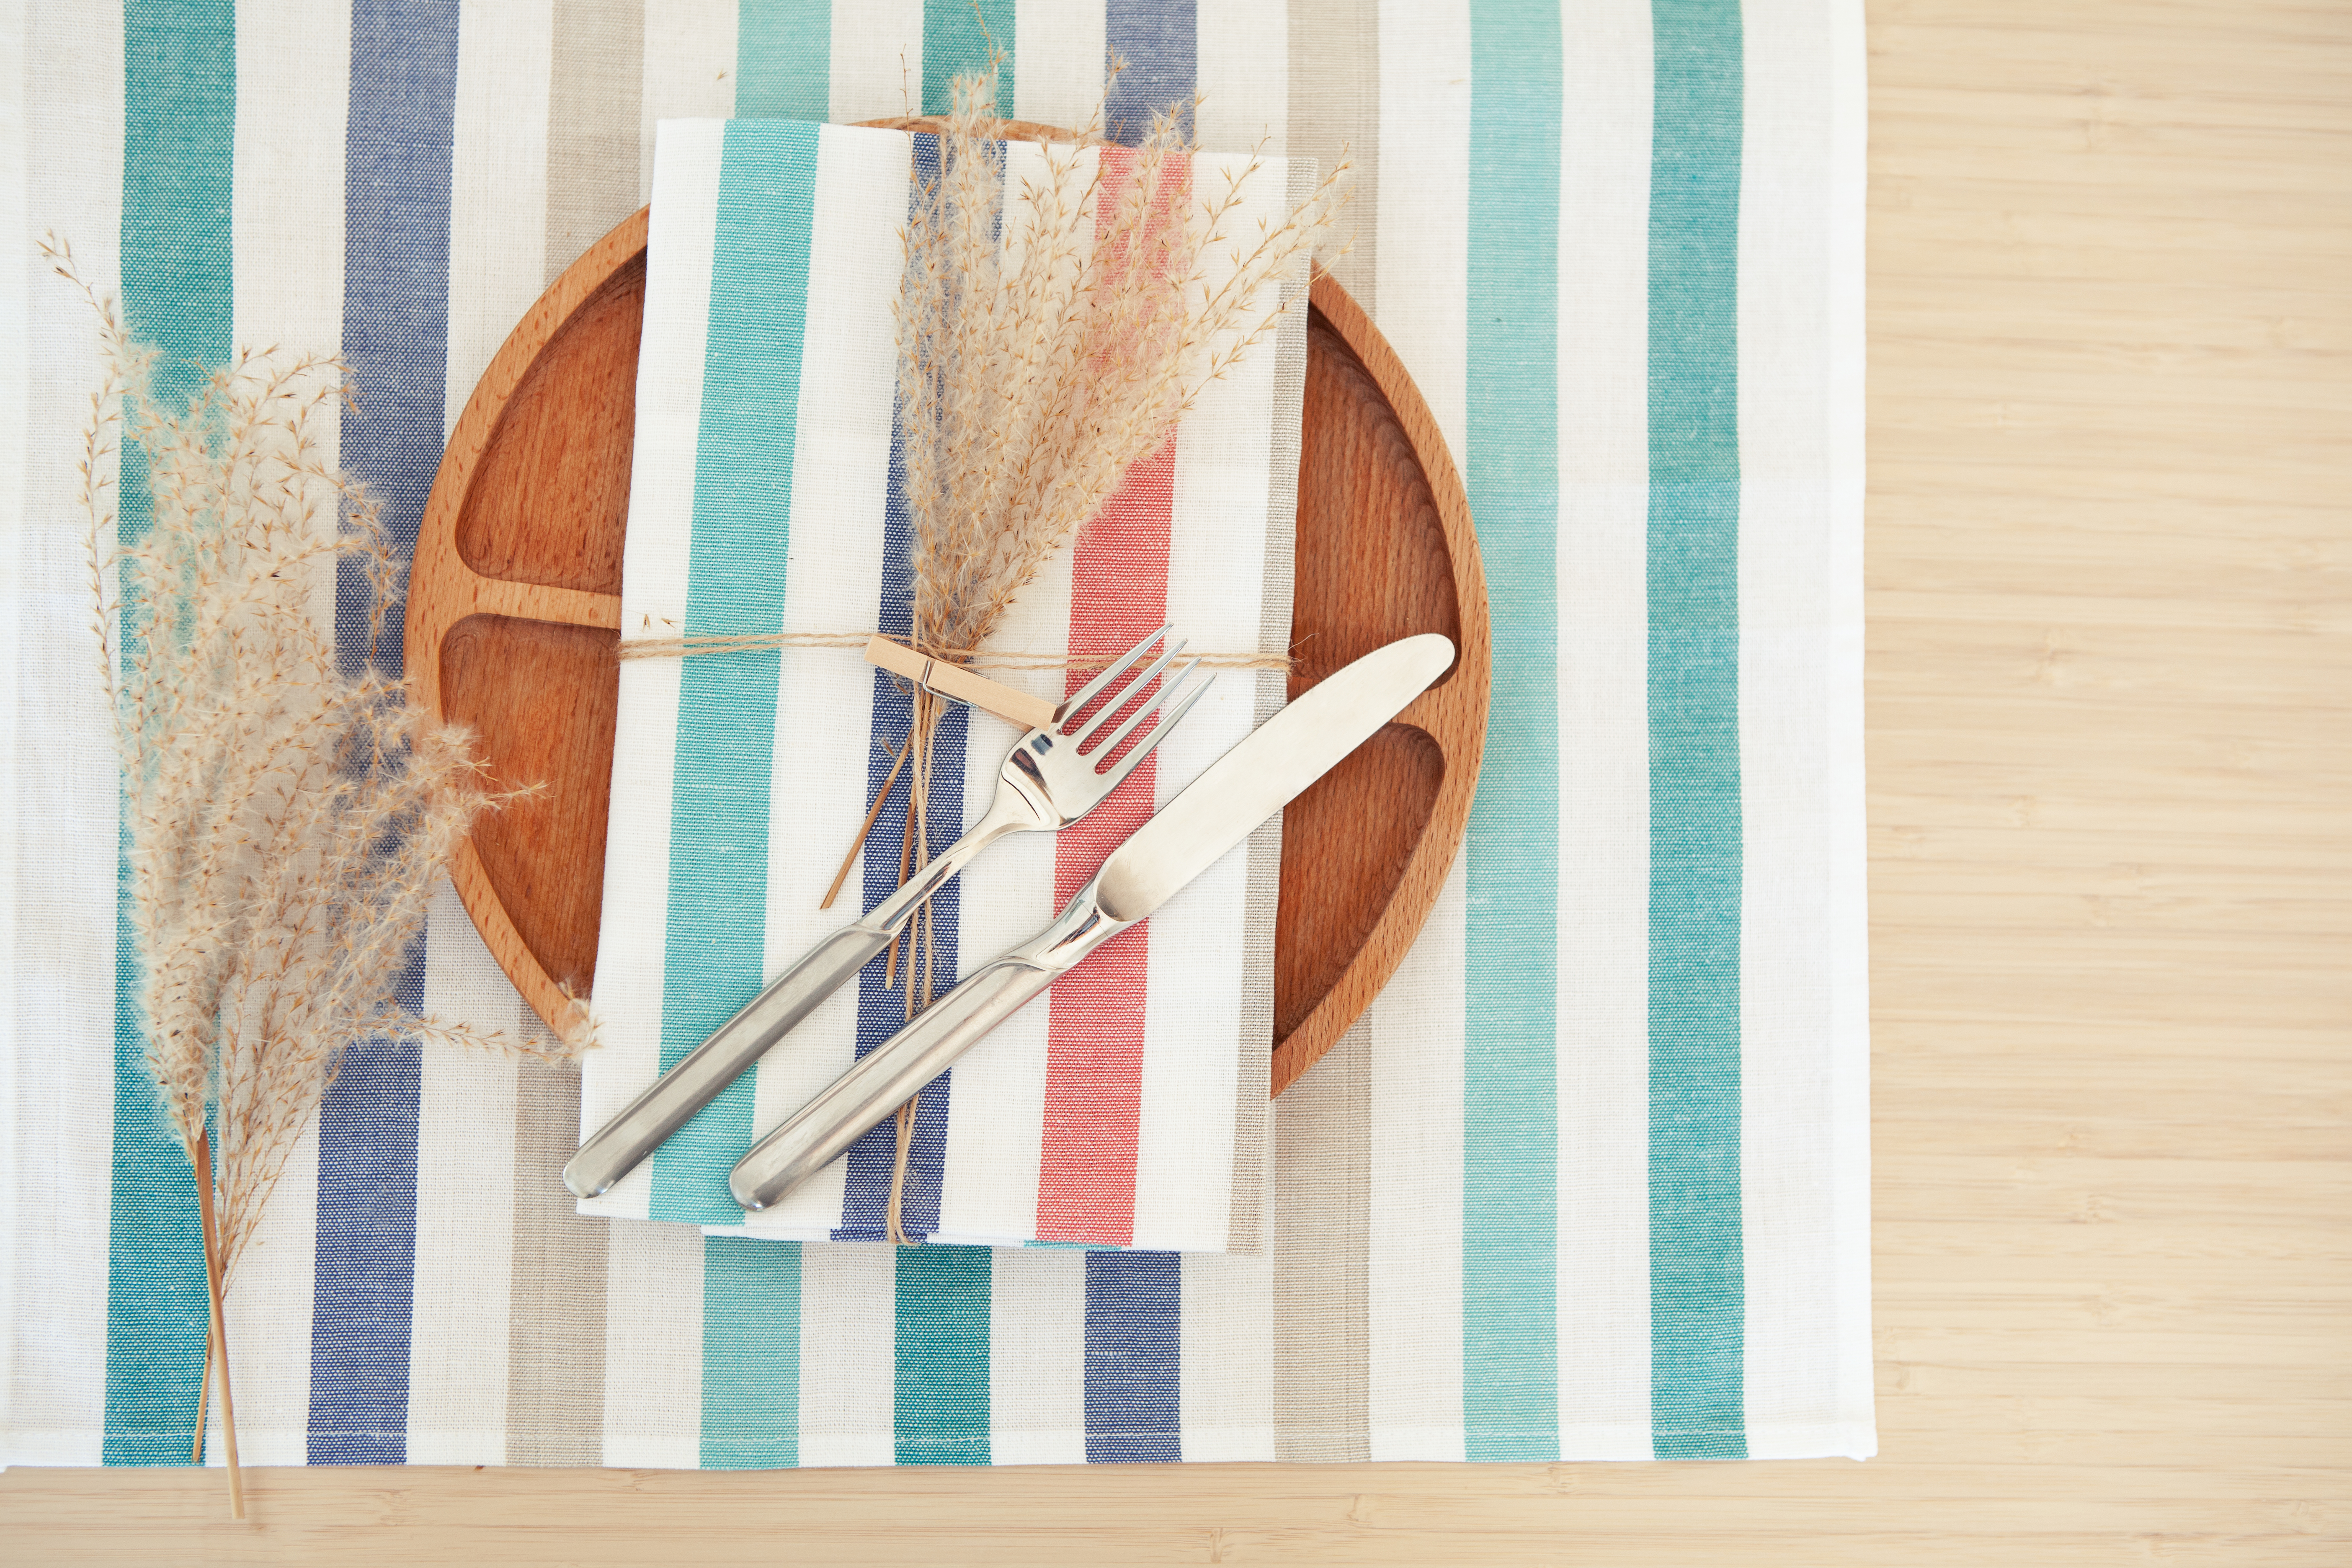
(514, 612)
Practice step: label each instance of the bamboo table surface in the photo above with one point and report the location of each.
(2110, 590)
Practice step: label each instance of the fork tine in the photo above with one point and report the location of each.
(1094, 689)
(1169, 708)
(1132, 692)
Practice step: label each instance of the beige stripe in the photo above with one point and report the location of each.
(1245, 1231)
(592, 123)
(1322, 1334)
(1335, 111)
(555, 1329)
(1322, 1219)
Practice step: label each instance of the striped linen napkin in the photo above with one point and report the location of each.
(1590, 1180)
(1125, 1107)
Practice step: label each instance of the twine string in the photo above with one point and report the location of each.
(914, 853)
(906, 1119)
(972, 658)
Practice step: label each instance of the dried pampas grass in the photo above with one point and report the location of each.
(1034, 373)
(286, 813)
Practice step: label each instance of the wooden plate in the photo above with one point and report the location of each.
(514, 612)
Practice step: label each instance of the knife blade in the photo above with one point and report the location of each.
(1261, 774)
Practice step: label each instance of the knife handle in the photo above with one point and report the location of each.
(673, 1098)
(892, 1073)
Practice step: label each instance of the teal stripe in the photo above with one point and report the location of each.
(179, 122)
(1698, 1309)
(783, 59)
(957, 36)
(750, 1353)
(1510, 1405)
(727, 702)
(941, 1394)
(758, 303)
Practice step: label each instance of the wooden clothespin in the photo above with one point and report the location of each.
(960, 684)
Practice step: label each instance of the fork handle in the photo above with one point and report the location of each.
(887, 1076)
(673, 1099)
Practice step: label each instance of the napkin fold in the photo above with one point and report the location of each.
(1126, 1108)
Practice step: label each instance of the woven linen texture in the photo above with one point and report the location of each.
(1590, 1180)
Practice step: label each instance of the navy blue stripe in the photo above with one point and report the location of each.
(882, 1008)
(396, 169)
(1161, 46)
(1134, 1356)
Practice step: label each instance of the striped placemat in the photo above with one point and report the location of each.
(1589, 1181)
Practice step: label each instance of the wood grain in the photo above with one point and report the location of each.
(514, 611)
(1386, 549)
(2111, 829)
(1014, 707)
(525, 524)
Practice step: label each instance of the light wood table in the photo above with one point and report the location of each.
(2111, 824)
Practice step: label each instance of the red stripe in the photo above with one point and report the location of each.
(1094, 1065)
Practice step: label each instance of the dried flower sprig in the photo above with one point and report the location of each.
(288, 811)
(1034, 373)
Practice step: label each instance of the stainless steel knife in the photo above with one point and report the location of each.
(1241, 789)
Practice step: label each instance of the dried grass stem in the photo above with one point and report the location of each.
(287, 810)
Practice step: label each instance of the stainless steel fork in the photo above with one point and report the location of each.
(1053, 777)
